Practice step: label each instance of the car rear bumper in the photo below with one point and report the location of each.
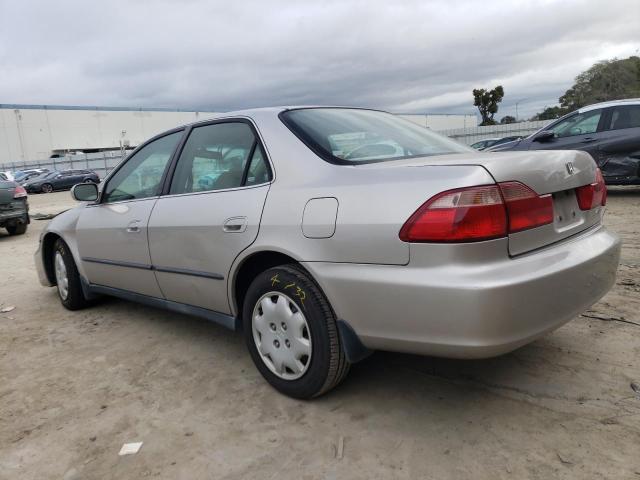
(17, 212)
(465, 306)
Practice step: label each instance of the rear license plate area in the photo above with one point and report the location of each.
(566, 213)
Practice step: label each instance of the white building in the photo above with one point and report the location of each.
(35, 132)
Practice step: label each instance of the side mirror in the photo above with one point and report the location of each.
(85, 192)
(544, 136)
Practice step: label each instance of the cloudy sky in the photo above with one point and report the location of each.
(404, 56)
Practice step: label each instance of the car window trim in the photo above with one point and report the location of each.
(176, 157)
(604, 116)
(245, 173)
(107, 179)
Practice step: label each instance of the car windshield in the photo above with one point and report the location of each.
(352, 136)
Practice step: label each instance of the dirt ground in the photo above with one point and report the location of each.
(75, 386)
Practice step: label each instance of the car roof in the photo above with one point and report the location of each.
(275, 110)
(612, 103)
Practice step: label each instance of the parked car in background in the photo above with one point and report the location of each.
(60, 180)
(488, 143)
(609, 132)
(320, 252)
(14, 208)
(21, 176)
(7, 175)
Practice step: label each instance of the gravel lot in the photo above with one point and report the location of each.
(75, 386)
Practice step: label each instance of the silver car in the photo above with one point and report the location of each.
(326, 233)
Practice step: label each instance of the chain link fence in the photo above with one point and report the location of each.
(475, 134)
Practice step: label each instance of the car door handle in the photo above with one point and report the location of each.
(235, 225)
(588, 139)
(133, 227)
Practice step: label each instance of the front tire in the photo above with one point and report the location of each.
(291, 333)
(47, 188)
(67, 277)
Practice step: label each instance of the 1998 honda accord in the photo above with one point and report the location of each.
(325, 233)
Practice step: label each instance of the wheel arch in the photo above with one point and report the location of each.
(248, 268)
(48, 242)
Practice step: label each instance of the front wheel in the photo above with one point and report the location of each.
(67, 277)
(291, 333)
(47, 188)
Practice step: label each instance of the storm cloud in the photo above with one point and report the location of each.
(409, 56)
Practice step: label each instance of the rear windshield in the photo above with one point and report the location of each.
(351, 136)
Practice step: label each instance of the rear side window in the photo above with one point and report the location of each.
(218, 157)
(350, 136)
(627, 116)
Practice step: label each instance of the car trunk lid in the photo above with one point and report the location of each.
(557, 173)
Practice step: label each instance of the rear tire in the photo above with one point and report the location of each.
(47, 188)
(17, 229)
(70, 291)
(288, 292)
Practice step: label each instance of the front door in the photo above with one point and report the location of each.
(112, 234)
(211, 214)
(576, 132)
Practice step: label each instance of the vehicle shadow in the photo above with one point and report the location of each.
(539, 371)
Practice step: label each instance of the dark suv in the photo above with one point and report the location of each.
(609, 131)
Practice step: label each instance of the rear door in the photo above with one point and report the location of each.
(112, 235)
(618, 154)
(211, 213)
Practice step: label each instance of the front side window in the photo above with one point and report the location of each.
(351, 136)
(627, 116)
(578, 124)
(217, 157)
(141, 176)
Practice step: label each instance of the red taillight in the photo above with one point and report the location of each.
(19, 192)
(463, 215)
(525, 208)
(478, 213)
(592, 195)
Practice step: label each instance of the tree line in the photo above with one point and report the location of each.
(607, 80)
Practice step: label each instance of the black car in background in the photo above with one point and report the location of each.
(609, 131)
(492, 142)
(14, 209)
(21, 176)
(59, 180)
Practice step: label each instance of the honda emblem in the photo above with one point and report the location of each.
(570, 168)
